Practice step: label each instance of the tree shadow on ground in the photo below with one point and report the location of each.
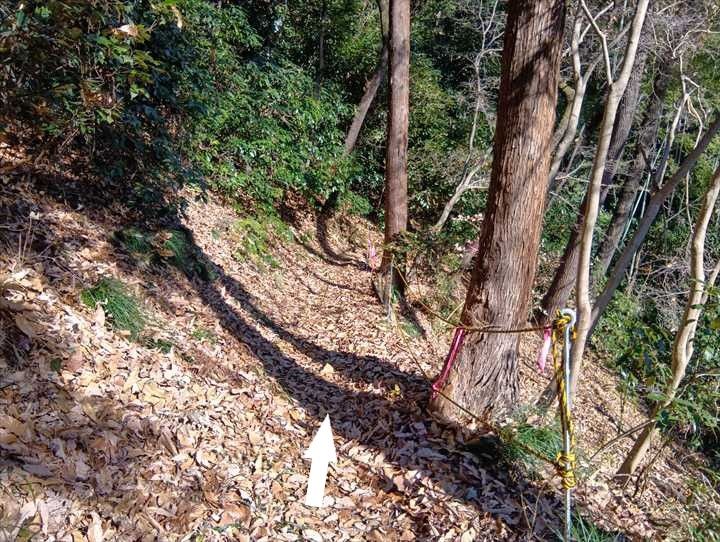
(64, 439)
(387, 417)
(393, 423)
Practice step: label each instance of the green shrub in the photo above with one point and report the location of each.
(180, 252)
(201, 334)
(162, 345)
(121, 307)
(256, 237)
(166, 247)
(584, 530)
(523, 441)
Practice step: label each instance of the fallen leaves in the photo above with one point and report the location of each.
(124, 441)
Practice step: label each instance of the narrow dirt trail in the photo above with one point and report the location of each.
(324, 342)
(197, 431)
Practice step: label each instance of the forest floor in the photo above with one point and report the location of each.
(198, 433)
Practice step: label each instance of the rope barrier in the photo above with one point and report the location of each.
(558, 463)
(561, 330)
(477, 329)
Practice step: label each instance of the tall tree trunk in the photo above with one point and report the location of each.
(651, 212)
(646, 141)
(683, 346)
(582, 285)
(564, 279)
(373, 85)
(485, 379)
(396, 197)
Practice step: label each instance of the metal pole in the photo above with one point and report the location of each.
(566, 432)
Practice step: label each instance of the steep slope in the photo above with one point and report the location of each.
(196, 431)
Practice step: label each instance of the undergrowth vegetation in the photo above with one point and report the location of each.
(241, 99)
(122, 307)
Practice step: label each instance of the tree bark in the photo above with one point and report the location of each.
(651, 212)
(373, 85)
(643, 149)
(485, 379)
(564, 279)
(396, 198)
(683, 346)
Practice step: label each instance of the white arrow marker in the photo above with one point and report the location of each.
(321, 452)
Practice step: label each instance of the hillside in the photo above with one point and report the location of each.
(196, 430)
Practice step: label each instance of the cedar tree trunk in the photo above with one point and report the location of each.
(396, 198)
(485, 377)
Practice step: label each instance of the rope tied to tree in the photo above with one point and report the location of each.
(565, 461)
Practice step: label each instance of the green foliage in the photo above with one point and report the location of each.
(256, 237)
(180, 252)
(258, 126)
(584, 530)
(201, 334)
(641, 350)
(411, 328)
(135, 241)
(704, 525)
(162, 345)
(523, 441)
(166, 247)
(76, 66)
(121, 306)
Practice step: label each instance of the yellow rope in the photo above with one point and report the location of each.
(478, 329)
(567, 476)
(564, 462)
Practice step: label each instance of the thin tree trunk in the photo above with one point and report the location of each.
(651, 212)
(564, 278)
(643, 150)
(373, 85)
(571, 118)
(566, 132)
(321, 49)
(485, 379)
(582, 286)
(371, 88)
(396, 198)
(621, 216)
(565, 120)
(683, 346)
(460, 189)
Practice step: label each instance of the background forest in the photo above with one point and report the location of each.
(258, 103)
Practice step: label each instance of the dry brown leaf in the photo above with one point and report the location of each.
(24, 325)
(95, 531)
(75, 362)
(235, 513)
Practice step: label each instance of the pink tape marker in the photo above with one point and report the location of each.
(545, 350)
(452, 354)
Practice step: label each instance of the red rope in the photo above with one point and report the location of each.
(449, 360)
